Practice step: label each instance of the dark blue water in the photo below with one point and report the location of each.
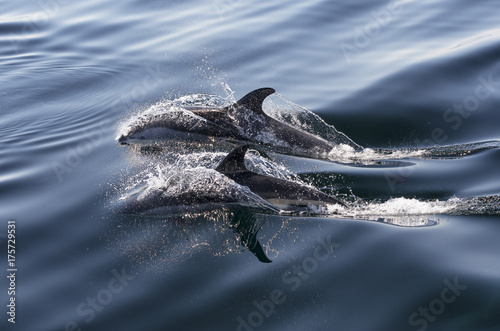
(417, 84)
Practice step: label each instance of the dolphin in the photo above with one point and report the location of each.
(282, 193)
(244, 121)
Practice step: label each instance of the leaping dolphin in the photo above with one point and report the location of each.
(279, 192)
(244, 120)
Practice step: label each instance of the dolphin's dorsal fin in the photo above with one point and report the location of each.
(254, 99)
(234, 161)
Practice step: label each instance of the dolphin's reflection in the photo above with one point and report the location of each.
(219, 228)
(244, 224)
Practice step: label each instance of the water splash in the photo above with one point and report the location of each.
(487, 205)
(344, 149)
(199, 100)
(412, 212)
(396, 211)
(288, 112)
(367, 156)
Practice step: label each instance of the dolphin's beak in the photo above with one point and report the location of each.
(122, 140)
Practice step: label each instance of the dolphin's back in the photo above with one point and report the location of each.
(275, 190)
(294, 137)
(279, 191)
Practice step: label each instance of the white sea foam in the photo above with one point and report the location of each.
(398, 211)
(347, 154)
(302, 118)
(402, 207)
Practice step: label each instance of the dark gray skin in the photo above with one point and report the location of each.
(245, 121)
(134, 206)
(277, 191)
(167, 128)
(291, 137)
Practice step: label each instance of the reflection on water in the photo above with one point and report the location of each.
(176, 235)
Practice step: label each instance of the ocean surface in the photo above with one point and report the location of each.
(414, 86)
